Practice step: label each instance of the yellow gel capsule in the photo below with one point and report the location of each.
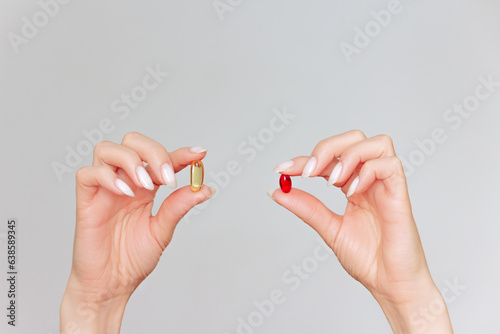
(196, 175)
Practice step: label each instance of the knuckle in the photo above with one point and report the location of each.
(321, 145)
(158, 149)
(397, 163)
(358, 133)
(130, 136)
(81, 172)
(386, 139)
(101, 145)
(103, 171)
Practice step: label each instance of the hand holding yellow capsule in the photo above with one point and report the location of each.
(196, 175)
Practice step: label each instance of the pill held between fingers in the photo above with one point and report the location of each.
(196, 175)
(285, 183)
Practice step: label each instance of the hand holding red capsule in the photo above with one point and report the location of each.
(376, 240)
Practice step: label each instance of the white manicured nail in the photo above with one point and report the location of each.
(213, 190)
(270, 193)
(284, 166)
(353, 186)
(124, 188)
(309, 167)
(334, 176)
(144, 178)
(168, 176)
(197, 149)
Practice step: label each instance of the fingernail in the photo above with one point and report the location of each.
(309, 167)
(197, 149)
(124, 188)
(213, 190)
(168, 176)
(284, 166)
(353, 186)
(270, 193)
(334, 176)
(144, 178)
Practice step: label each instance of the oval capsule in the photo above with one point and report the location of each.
(285, 183)
(196, 175)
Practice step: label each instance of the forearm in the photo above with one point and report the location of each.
(80, 313)
(427, 313)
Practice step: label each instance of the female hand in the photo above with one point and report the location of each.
(376, 240)
(118, 242)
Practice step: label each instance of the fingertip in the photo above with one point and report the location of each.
(197, 149)
(270, 193)
(185, 198)
(284, 166)
(172, 185)
(204, 194)
(287, 200)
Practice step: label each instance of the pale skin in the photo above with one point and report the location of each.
(118, 242)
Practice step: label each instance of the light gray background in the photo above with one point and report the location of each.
(226, 77)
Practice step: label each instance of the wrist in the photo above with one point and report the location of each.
(420, 311)
(85, 312)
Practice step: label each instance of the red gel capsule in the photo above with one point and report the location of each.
(285, 183)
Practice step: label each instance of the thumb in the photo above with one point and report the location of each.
(311, 210)
(173, 208)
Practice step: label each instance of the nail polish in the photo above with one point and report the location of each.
(213, 190)
(168, 176)
(270, 193)
(197, 149)
(309, 167)
(283, 166)
(334, 176)
(144, 177)
(353, 187)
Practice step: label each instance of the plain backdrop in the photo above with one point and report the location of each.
(227, 79)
